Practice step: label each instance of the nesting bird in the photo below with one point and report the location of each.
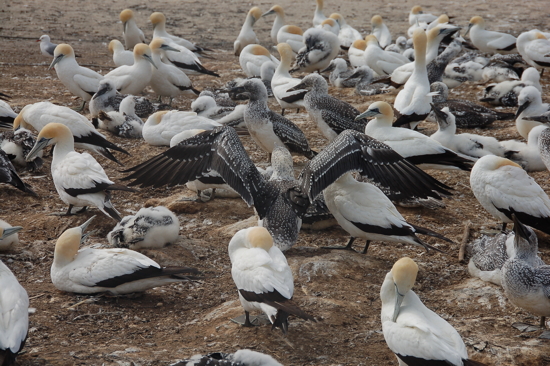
(356, 53)
(528, 155)
(133, 79)
(534, 47)
(252, 58)
(347, 34)
(321, 47)
(159, 31)
(17, 145)
(489, 41)
(530, 108)
(380, 61)
(8, 235)
(506, 93)
(247, 35)
(130, 31)
(340, 76)
(242, 357)
(124, 123)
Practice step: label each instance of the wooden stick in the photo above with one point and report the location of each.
(465, 238)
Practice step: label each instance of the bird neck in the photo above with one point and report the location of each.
(387, 296)
(65, 253)
(278, 23)
(432, 48)
(156, 56)
(248, 23)
(420, 58)
(160, 30)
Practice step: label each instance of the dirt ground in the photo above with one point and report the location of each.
(341, 289)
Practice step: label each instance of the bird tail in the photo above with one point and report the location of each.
(506, 116)
(106, 153)
(108, 207)
(281, 321)
(425, 231)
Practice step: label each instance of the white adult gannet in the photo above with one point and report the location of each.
(507, 92)
(7, 116)
(292, 35)
(417, 148)
(356, 53)
(243, 357)
(318, 15)
(159, 31)
(282, 81)
(124, 123)
(252, 58)
(79, 179)
(8, 174)
(17, 145)
(130, 31)
(529, 105)
(80, 81)
(442, 19)
(149, 228)
(278, 23)
(118, 271)
(46, 46)
(417, 15)
(85, 135)
(534, 47)
(8, 235)
(414, 333)
(347, 34)
(247, 35)
(380, 61)
(489, 41)
(380, 31)
(133, 79)
(184, 59)
(14, 310)
(503, 188)
(263, 278)
(527, 154)
(321, 47)
(121, 57)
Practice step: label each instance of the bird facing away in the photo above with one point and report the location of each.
(120, 55)
(130, 31)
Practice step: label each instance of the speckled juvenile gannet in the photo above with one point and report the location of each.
(118, 271)
(414, 333)
(252, 58)
(80, 81)
(417, 15)
(321, 47)
(107, 99)
(340, 76)
(8, 174)
(243, 357)
(17, 145)
(366, 83)
(8, 235)
(247, 35)
(399, 46)
(436, 68)
(347, 34)
(130, 31)
(85, 135)
(525, 281)
(356, 53)
(121, 57)
(282, 81)
(503, 188)
(151, 227)
(526, 154)
(133, 79)
(79, 179)
(490, 41)
(380, 61)
(380, 31)
(506, 93)
(46, 46)
(318, 15)
(159, 31)
(534, 47)
(544, 147)
(124, 123)
(7, 116)
(529, 105)
(14, 308)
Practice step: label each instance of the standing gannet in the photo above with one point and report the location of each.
(526, 154)
(159, 31)
(417, 148)
(85, 135)
(247, 35)
(506, 93)
(340, 76)
(414, 333)
(46, 46)
(503, 188)
(356, 53)
(118, 271)
(7, 116)
(8, 235)
(321, 47)
(263, 278)
(380, 31)
(80, 81)
(380, 61)
(184, 59)
(79, 179)
(17, 145)
(14, 316)
(526, 281)
(133, 79)
(347, 34)
(534, 47)
(278, 23)
(318, 15)
(489, 41)
(124, 123)
(417, 15)
(529, 105)
(121, 57)
(130, 31)
(544, 147)
(252, 58)
(8, 174)
(282, 81)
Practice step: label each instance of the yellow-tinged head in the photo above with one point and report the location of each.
(141, 50)
(277, 9)
(419, 41)
(255, 12)
(359, 44)
(115, 45)
(259, 50)
(259, 237)
(404, 273)
(500, 162)
(331, 22)
(156, 117)
(433, 33)
(156, 43)
(371, 38)
(285, 51)
(477, 20)
(63, 49)
(539, 35)
(443, 18)
(19, 121)
(336, 16)
(54, 132)
(376, 20)
(126, 15)
(66, 247)
(381, 110)
(416, 10)
(157, 18)
(292, 29)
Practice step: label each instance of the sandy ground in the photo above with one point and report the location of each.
(341, 289)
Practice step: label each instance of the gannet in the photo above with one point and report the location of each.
(151, 227)
(526, 154)
(278, 23)
(330, 25)
(243, 357)
(107, 99)
(17, 145)
(442, 19)
(529, 105)
(222, 98)
(526, 282)
(468, 144)
(8, 235)
(321, 47)
(79, 179)
(506, 93)
(501, 70)
(46, 47)
(544, 147)
(124, 123)
(417, 148)
(347, 34)
(503, 188)
(121, 57)
(340, 76)
(130, 31)
(380, 61)
(14, 310)
(8, 174)
(417, 15)
(118, 271)
(489, 41)
(84, 133)
(366, 84)
(318, 15)
(399, 46)
(133, 79)
(534, 47)
(436, 68)
(247, 35)
(292, 35)
(460, 71)
(252, 58)
(282, 81)
(356, 53)
(184, 59)
(167, 80)
(7, 115)
(206, 106)
(159, 31)
(234, 119)
(380, 31)
(331, 115)
(414, 333)
(80, 81)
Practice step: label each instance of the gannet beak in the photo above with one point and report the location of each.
(353, 76)
(55, 61)
(100, 92)
(368, 113)
(10, 231)
(168, 48)
(398, 300)
(519, 229)
(468, 31)
(268, 13)
(330, 67)
(440, 116)
(148, 58)
(522, 107)
(40, 144)
(124, 27)
(83, 228)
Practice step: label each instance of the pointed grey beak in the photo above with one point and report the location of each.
(522, 108)
(330, 67)
(10, 231)
(83, 227)
(398, 300)
(368, 113)
(148, 58)
(440, 116)
(468, 31)
(519, 229)
(268, 13)
(168, 48)
(124, 27)
(56, 60)
(39, 145)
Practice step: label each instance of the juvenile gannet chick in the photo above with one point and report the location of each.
(380, 31)
(8, 235)
(205, 106)
(499, 71)
(17, 144)
(252, 58)
(544, 147)
(121, 57)
(133, 79)
(80, 81)
(243, 357)
(380, 61)
(468, 144)
(321, 48)
(417, 15)
(167, 80)
(278, 23)
(107, 99)
(8, 174)
(118, 271)
(151, 227)
(436, 68)
(356, 53)
(489, 41)
(506, 93)
(247, 35)
(85, 135)
(318, 15)
(46, 47)
(414, 333)
(130, 31)
(124, 123)
(534, 47)
(159, 31)
(14, 308)
(526, 154)
(366, 83)
(503, 188)
(347, 34)
(340, 76)
(464, 68)
(526, 282)
(7, 115)
(529, 105)
(417, 148)
(79, 179)
(399, 46)
(263, 278)
(282, 81)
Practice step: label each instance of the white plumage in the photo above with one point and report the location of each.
(417, 15)
(243, 357)
(529, 105)
(318, 15)
(121, 56)
(8, 237)
(282, 81)
(206, 106)
(292, 35)
(321, 47)
(252, 58)
(46, 46)
(527, 154)
(7, 115)
(490, 41)
(133, 79)
(356, 53)
(347, 34)
(159, 31)
(380, 61)
(247, 35)
(125, 122)
(130, 31)
(534, 47)
(380, 31)
(506, 93)
(160, 127)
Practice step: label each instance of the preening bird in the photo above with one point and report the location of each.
(489, 41)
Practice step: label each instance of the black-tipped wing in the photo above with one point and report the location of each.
(339, 123)
(278, 301)
(293, 138)
(9, 175)
(148, 272)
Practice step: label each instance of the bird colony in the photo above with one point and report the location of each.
(308, 202)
